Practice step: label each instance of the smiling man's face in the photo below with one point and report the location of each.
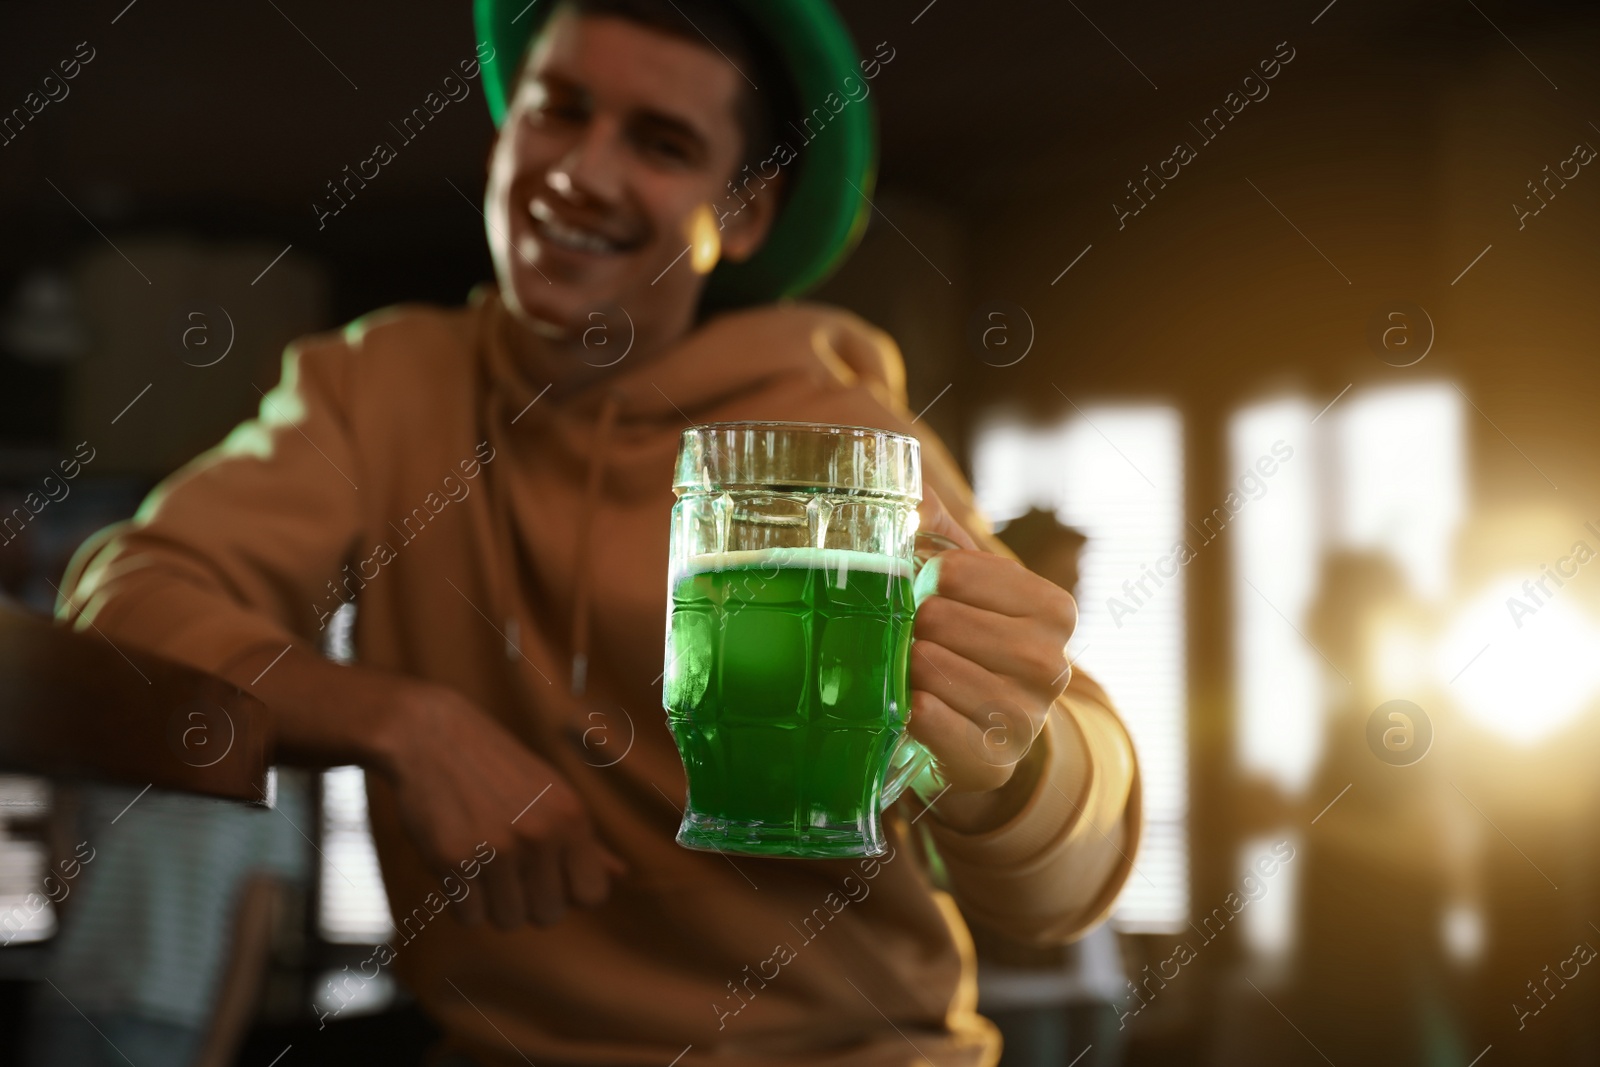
(617, 134)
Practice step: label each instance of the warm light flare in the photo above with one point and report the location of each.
(1400, 658)
(1523, 676)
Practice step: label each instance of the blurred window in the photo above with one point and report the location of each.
(1382, 469)
(1115, 472)
(1275, 547)
(26, 913)
(1401, 477)
(352, 906)
(1268, 921)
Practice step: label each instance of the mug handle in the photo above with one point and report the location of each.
(909, 761)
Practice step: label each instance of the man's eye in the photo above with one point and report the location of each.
(557, 112)
(545, 106)
(667, 148)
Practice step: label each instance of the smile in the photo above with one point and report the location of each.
(571, 237)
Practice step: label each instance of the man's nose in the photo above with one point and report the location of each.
(592, 168)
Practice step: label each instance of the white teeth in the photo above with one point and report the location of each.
(567, 236)
(581, 240)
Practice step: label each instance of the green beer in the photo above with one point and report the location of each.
(786, 691)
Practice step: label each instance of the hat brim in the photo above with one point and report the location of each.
(831, 181)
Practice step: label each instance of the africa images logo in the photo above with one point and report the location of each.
(1399, 733)
(200, 733)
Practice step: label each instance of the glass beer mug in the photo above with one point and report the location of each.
(793, 558)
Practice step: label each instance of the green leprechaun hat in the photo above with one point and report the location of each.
(826, 207)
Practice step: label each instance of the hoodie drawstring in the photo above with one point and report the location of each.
(581, 565)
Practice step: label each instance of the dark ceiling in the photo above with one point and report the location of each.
(266, 99)
(230, 118)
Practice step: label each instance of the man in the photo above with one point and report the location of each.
(492, 488)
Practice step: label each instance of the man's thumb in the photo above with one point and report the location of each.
(936, 519)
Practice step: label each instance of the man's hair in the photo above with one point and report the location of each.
(767, 96)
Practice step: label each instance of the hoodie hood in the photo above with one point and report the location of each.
(611, 440)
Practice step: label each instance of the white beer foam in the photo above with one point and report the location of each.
(840, 562)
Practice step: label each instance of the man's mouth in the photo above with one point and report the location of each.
(573, 236)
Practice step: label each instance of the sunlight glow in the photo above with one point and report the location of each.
(1521, 677)
(1401, 479)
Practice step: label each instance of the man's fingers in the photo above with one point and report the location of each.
(985, 698)
(503, 887)
(542, 883)
(999, 727)
(1004, 587)
(609, 862)
(469, 909)
(954, 740)
(999, 643)
(936, 519)
(588, 877)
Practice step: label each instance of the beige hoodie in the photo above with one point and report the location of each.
(514, 546)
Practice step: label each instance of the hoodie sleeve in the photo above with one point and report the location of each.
(232, 554)
(1054, 870)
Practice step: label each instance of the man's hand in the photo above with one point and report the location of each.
(461, 779)
(988, 660)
